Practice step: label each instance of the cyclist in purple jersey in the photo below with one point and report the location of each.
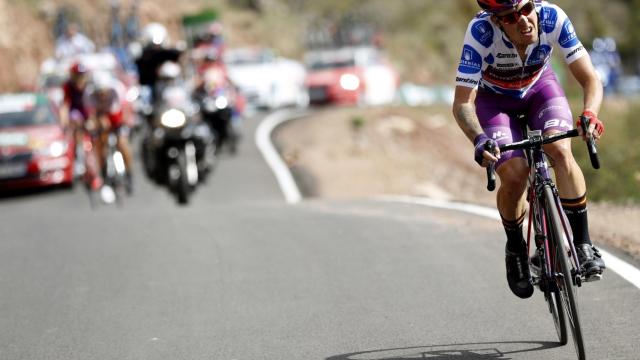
(505, 71)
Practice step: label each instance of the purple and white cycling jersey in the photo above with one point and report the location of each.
(490, 61)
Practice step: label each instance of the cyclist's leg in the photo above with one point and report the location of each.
(551, 113)
(493, 112)
(102, 128)
(125, 147)
(512, 170)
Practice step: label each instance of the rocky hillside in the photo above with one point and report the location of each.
(422, 37)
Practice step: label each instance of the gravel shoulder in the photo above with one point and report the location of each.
(352, 153)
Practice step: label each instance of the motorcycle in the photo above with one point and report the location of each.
(179, 148)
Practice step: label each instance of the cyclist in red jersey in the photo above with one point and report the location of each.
(73, 110)
(505, 71)
(105, 104)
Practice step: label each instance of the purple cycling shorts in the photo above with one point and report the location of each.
(545, 108)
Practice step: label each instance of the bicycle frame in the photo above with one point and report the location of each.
(539, 179)
(559, 273)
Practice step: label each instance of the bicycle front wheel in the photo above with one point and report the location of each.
(564, 278)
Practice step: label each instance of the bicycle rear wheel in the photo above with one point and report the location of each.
(560, 263)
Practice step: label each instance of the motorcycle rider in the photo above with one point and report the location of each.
(105, 104)
(154, 53)
(213, 84)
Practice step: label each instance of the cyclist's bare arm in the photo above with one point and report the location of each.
(64, 114)
(582, 69)
(464, 111)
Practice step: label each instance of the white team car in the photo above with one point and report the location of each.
(267, 81)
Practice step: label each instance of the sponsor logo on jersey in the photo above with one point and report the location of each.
(471, 61)
(539, 55)
(506, 65)
(575, 51)
(466, 80)
(483, 33)
(548, 19)
(568, 37)
(505, 56)
(517, 78)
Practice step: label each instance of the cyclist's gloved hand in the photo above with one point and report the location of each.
(480, 144)
(595, 124)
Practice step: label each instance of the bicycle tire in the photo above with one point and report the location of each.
(182, 187)
(557, 313)
(119, 177)
(565, 284)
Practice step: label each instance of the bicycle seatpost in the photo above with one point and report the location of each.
(491, 169)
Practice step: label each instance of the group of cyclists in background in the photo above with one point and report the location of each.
(99, 101)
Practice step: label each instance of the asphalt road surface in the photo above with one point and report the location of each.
(240, 275)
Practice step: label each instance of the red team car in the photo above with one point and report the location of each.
(34, 148)
(350, 75)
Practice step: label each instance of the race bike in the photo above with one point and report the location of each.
(556, 268)
(178, 150)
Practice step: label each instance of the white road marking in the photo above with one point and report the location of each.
(293, 196)
(263, 141)
(615, 264)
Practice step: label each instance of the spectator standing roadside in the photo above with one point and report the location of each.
(73, 43)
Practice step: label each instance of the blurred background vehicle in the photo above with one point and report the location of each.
(266, 80)
(35, 150)
(350, 75)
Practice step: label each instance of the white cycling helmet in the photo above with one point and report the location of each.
(155, 33)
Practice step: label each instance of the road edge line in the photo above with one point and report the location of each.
(284, 177)
(293, 196)
(627, 271)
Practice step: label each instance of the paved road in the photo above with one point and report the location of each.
(240, 275)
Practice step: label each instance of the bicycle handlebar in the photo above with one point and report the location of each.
(541, 140)
(491, 169)
(591, 144)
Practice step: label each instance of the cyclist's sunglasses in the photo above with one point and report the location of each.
(513, 17)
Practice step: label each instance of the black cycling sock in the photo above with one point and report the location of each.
(515, 238)
(576, 211)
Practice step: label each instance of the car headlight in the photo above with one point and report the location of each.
(54, 149)
(173, 118)
(349, 82)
